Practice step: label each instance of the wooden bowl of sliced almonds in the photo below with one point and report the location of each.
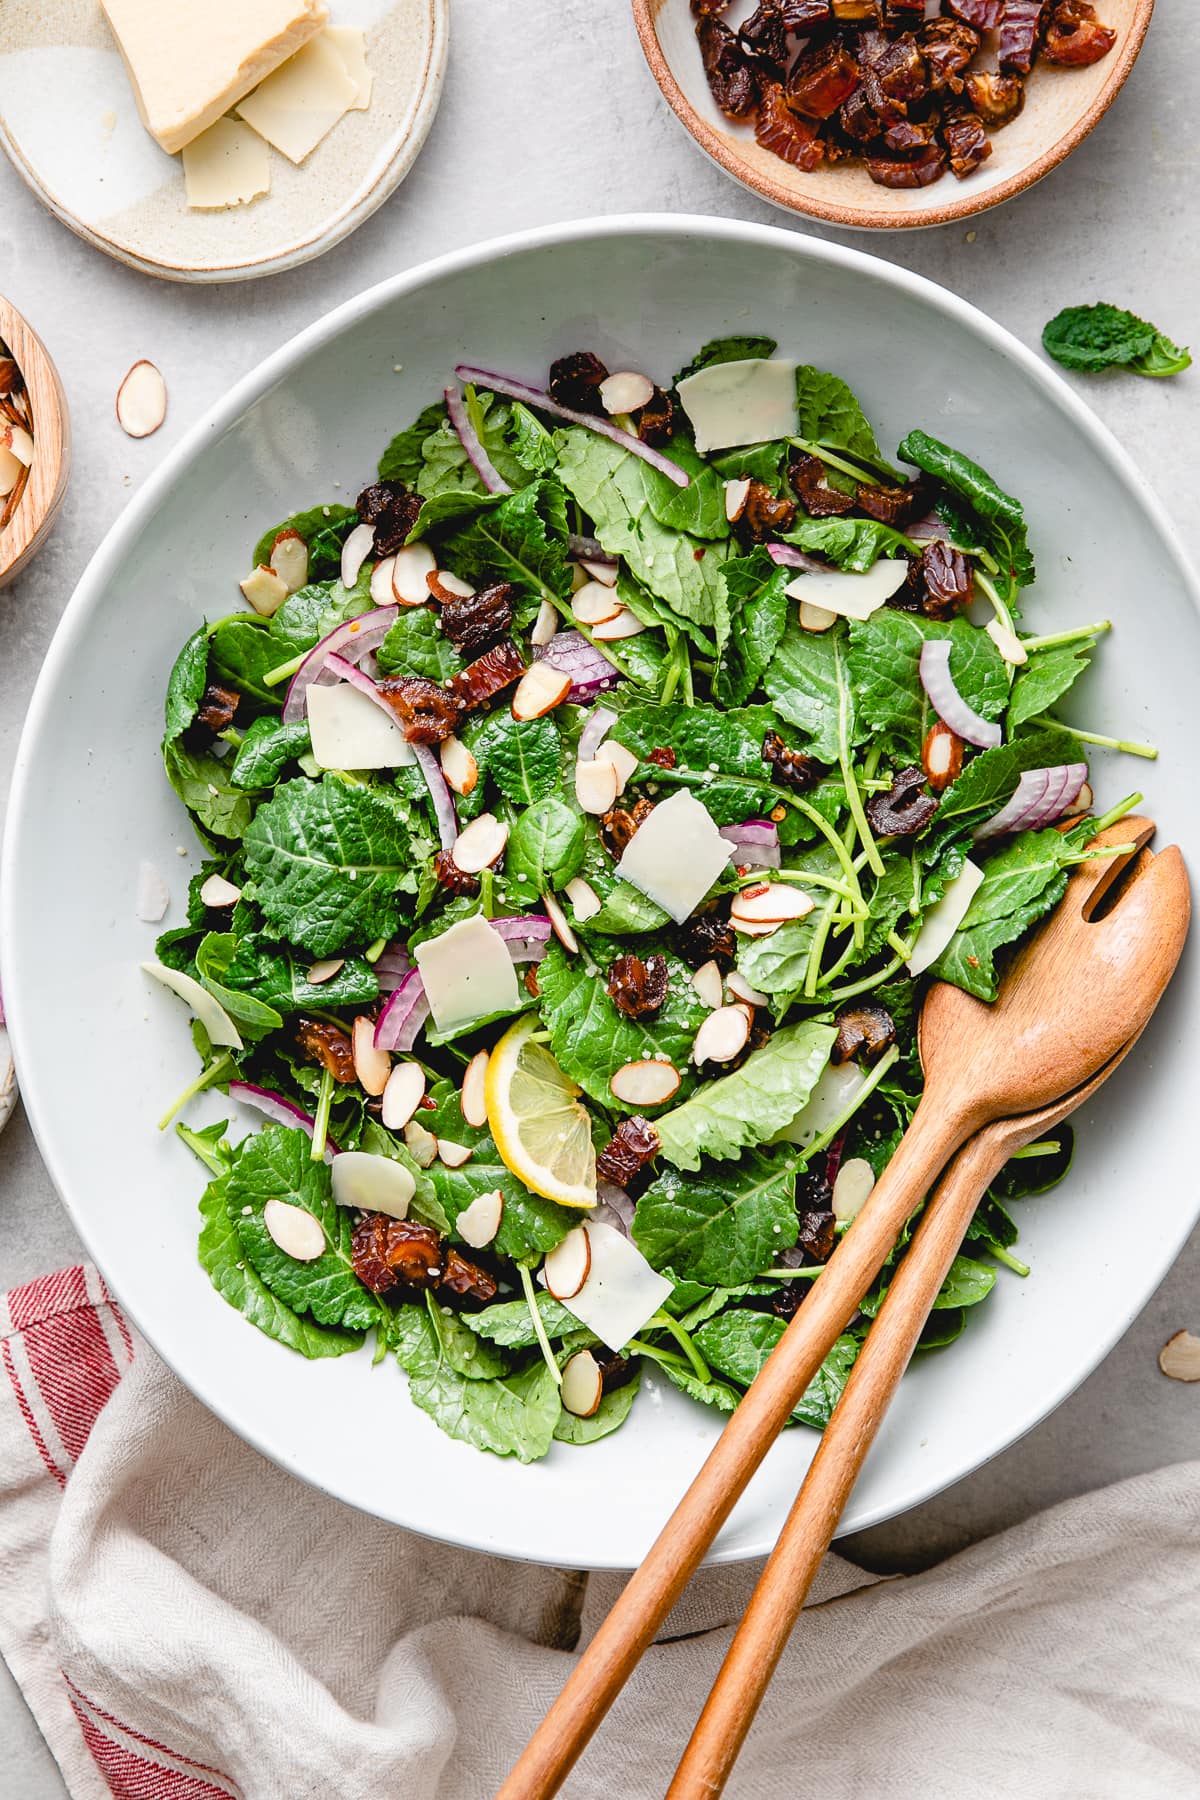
(35, 442)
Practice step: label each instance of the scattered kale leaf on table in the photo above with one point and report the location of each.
(1106, 337)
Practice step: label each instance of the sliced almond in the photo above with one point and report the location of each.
(566, 1266)
(585, 901)
(622, 760)
(325, 970)
(381, 582)
(595, 786)
(472, 1098)
(16, 440)
(736, 495)
(595, 604)
(545, 626)
(626, 392)
(1180, 1357)
(768, 903)
(453, 1155)
(411, 569)
(540, 689)
(722, 1036)
(582, 1385)
(604, 572)
(444, 586)
(10, 375)
(421, 1145)
(560, 924)
(458, 765)
(740, 988)
(11, 471)
(1082, 802)
(851, 1188)
(294, 1230)
(142, 401)
(289, 559)
(371, 1065)
(403, 1094)
(478, 1223)
(264, 590)
(816, 618)
(707, 983)
(1007, 643)
(216, 891)
(625, 625)
(479, 844)
(355, 551)
(646, 1083)
(579, 577)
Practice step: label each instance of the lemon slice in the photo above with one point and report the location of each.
(542, 1133)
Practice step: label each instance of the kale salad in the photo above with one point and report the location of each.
(584, 811)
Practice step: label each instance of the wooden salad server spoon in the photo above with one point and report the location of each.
(1083, 986)
(782, 1588)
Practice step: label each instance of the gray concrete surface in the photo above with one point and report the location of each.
(549, 113)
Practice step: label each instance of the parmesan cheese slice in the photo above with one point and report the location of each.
(349, 731)
(351, 46)
(227, 165)
(467, 973)
(944, 919)
(190, 61)
(621, 1292)
(302, 102)
(675, 857)
(746, 402)
(849, 595)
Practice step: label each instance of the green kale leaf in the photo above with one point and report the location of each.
(758, 610)
(529, 1225)
(852, 544)
(738, 1343)
(402, 460)
(508, 1323)
(1046, 677)
(1020, 884)
(725, 1224)
(416, 646)
(523, 539)
(545, 848)
(611, 1413)
(802, 680)
(999, 519)
(520, 755)
(268, 746)
(727, 349)
(884, 667)
(1105, 337)
(718, 755)
(831, 418)
(186, 685)
(515, 1416)
(202, 782)
(747, 1108)
(323, 528)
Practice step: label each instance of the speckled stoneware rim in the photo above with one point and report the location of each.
(302, 249)
(967, 205)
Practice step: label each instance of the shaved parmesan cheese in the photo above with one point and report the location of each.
(675, 857)
(467, 973)
(836, 1089)
(351, 46)
(302, 101)
(349, 731)
(227, 165)
(851, 596)
(944, 919)
(621, 1291)
(747, 402)
(211, 1014)
(372, 1183)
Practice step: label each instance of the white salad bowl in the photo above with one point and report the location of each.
(99, 1051)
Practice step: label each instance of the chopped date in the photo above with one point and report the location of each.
(856, 12)
(996, 98)
(325, 1044)
(814, 1192)
(784, 133)
(765, 33)
(637, 987)
(894, 506)
(704, 8)
(428, 713)
(904, 809)
(1020, 27)
(532, 985)
(386, 1253)
(575, 381)
(790, 768)
(709, 937)
(983, 15)
(1075, 36)
(807, 475)
(863, 1033)
(788, 1298)
(947, 580)
(451, 877)
(393, 510)
(900, 70)
(619, 823)
(655, 422)
(907, 136)
(731, 79)
(218, 707)
(764, 514)
(626, 1157)
(858, 118)
(663, 757)
(818, 1234)
(903, 13)
(488, 675)
(966, 142)
(473, 622)
(923, 171)
(615, 1371)
(462, 1276)
(821, 77)
(947, 46)
(806, 15)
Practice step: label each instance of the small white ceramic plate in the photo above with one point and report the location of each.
(70, 124)
(88, 802)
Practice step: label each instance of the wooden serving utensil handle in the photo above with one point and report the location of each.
(938, 1128)
(779, 1596)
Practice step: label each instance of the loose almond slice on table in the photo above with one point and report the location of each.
(474, 1098)
(582, 1384)
(289, 560)
(647, 1083)
(595, 786)
(444, 586)
(458, 765)
(373, 1067)
(723, 1035)
(478, 1223)
(411, 568)
(403, 1094)
(1180, 1357)
(142, 401)
(540, 689)
(294, 1230)
(566, 1266)
(479, 844)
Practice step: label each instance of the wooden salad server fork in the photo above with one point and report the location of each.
(782, 1588)
(1082, 987)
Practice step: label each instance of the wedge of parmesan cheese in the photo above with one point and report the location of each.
(190, 63)
(302, 102)
(746, 402)
(227, 165)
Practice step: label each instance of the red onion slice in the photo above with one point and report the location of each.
(948, 703)
(1041, 797)
(791, 558)
(350, 640)
(468, 437)
(756, 841)
(527, 935)
(538, 397)
(391, 966)
(278, 1110)
(600, 722)
(613, 1207)
(439, 793)
(590, 670)
(403, 1016)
